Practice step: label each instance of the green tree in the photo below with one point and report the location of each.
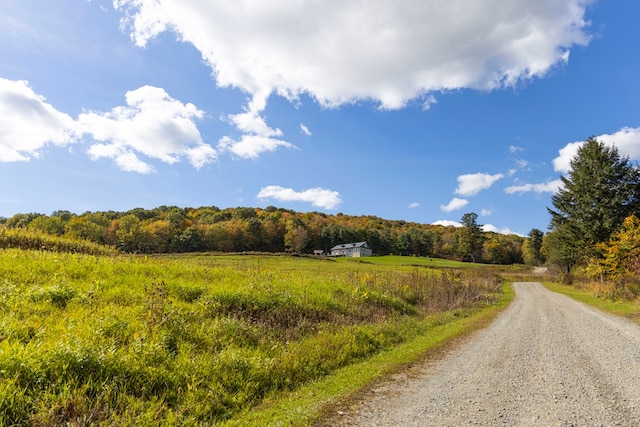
(470, 238)
(559, 249)
(48, 224)
(403, 243)
(533, 248)
(598, 193)
(190, 240)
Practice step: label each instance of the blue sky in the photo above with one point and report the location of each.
(415, 110)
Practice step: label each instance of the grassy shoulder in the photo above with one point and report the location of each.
(625, 309)
(322, 399)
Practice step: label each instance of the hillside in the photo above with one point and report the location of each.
(171, 229)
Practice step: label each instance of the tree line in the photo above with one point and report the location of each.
(168, 229)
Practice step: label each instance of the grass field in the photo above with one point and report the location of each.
(204, 340)
(396, 260)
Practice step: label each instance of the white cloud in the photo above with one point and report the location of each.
(485, 212)
(339, 52)
(503, 230)
(251, 146)
(28, 123)
(447, 223)
(152, 124)
(319, 197)
(129, 162)
(431, 100)
(514, 149)
(387, 51)
(414, 205)
(565, 154)
(304, 129)
(472, 184)
(486, 227)
(454, 205)
(257, 136)
(545, 187)
(251, 122)
(626, 140)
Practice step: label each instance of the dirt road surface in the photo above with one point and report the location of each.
(545, 361)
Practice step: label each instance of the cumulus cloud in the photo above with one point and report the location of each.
(545, 187)
(257, 136)
(565, 154)
(485, 212)
(319, 197)
(455, 204)
(28, 123)
(472, 184)
(152, 124)
(626, 140)
(390, 52)
(340, 52)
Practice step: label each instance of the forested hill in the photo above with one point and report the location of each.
(174, 229)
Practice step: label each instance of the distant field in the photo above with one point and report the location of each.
(396, 260)
(200, 339)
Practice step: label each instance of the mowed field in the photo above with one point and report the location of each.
(206, 339)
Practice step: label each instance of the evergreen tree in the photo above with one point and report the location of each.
(534, 246)
(598, 193)
(470, 238)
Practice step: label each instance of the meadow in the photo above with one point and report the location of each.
(203, 339)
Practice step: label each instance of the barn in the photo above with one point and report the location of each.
(358, 249)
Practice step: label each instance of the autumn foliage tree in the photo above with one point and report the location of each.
(619, 258)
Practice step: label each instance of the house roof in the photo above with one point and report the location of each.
(350, 246)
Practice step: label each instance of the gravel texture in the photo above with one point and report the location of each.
(545, 361)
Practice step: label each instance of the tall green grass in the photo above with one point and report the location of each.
(195, 340)
(32, 240)
(397, 260)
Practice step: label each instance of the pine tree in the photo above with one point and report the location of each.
(470, 238)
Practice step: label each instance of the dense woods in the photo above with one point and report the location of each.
(169, 229)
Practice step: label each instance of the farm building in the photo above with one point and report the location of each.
(358, 249)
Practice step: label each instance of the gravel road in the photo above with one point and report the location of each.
(545, 361)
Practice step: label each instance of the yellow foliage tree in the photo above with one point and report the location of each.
(620, 257)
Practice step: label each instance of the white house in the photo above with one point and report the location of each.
(352, 250)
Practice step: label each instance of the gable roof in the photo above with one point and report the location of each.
(350, 246)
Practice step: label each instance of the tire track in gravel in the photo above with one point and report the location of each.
(546, 360)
